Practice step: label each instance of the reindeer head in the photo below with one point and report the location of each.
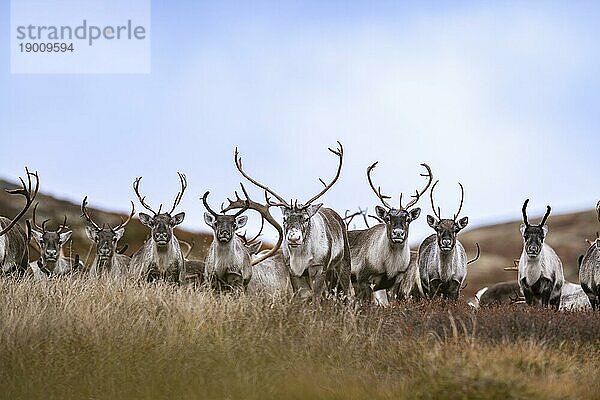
(224, 226)
(296, 217)
(105, 237)
(49, 242)
(397, 220)
(534, 235)
(161, 224)
(447, 229)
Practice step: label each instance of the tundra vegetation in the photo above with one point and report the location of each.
(104, 339)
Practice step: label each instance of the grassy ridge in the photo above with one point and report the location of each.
(77, 338)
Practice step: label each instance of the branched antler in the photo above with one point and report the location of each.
(339, 152)
(183, 182)
(86, 215)
(142, 199)
(263, 210)
(240, 168)
(415, 197)
(382, 197)
(26, 190)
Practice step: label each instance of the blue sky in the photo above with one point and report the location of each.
(502, 97)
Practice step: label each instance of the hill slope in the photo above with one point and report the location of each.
(500, 243)
(55, 209)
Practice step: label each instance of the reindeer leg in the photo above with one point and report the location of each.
(527, 292)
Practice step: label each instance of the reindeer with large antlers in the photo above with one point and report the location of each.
(14, 251)
(160, 257)
(229, 262)
(381, 255)
(589, 270)
(541, 275)
(52, 261)
(107, 261)
(442, 258)
(315, 244)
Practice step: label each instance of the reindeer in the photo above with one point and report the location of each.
(52, 261)
(315, 245)
(442, 258)
(381, 254)
(232, 259)
(160, 257)
(589, 270)
(14, 251)
(108, 261)
(541, 275)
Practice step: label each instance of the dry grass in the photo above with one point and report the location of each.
(105, 340)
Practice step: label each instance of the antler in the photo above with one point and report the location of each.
(462, 198)
(26, 191)
(238, 165)
(183, 181)
(437, 213)
(382, 197)
(204, 200)
(514, 267)
(62, 226)
(524, 211)
(418, 194)
(526, 221)
(35, 225)
(142, 199)
(263, 210)
(126, 221)
(190, 247)
(598, 210)
(339, 152)
(477, 256)
(86, 215)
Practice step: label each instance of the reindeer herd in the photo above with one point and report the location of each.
(316, 255)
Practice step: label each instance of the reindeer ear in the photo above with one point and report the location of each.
(312, 209)
(522, 228)
(462, 223)
(209, 219)
(241, 221)
(414, 213)
(177, 219)
(380, 212)
(91, 233)
(146, 220)
(37, 235)
(119, 233)
(432, 221)
(545, 229)
(64, 237)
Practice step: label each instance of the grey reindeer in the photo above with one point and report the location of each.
(160, 257)
(381, 257)
(442, 258)
(589, 270)
(315, 245)
(14, 250)
(52, 261)
(270, 275)
(107, 262)
(541, 275)
(229, 260)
